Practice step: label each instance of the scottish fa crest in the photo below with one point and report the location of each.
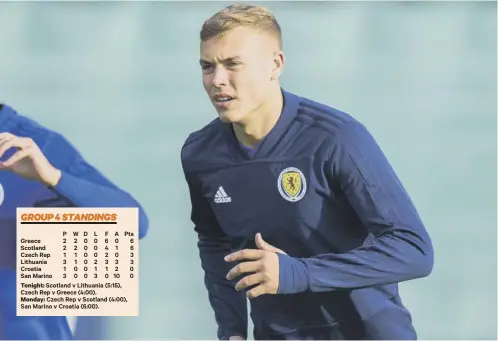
(292, 184)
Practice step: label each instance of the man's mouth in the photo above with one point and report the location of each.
(223, 99)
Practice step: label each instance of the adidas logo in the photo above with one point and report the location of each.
(221, 196)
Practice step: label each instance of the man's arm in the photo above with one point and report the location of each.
(85, 186)
(59, 166)
(401, 249)
(229, 305)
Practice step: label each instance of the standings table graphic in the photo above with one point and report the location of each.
(77, 262)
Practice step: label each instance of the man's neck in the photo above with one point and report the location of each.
(260, 122)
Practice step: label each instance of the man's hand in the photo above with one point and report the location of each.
(262, 263)
(28, 161)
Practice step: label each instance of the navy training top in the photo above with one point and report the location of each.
(319, 188)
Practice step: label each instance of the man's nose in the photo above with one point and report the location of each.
(220, 77)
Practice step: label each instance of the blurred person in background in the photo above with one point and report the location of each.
(294, 203)
(40, 168)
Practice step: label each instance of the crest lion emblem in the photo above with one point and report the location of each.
(292, 184)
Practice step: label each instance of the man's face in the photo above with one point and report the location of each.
(237, 71)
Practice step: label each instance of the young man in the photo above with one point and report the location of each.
(294, 203)
(40, 168)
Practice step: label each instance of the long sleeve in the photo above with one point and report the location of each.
(401, 249)
(85, 186)
(229, 305)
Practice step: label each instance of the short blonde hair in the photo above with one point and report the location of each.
(238, 15)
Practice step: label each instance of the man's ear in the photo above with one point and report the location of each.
(278, 65)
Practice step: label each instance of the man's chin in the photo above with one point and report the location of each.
(228, 117)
